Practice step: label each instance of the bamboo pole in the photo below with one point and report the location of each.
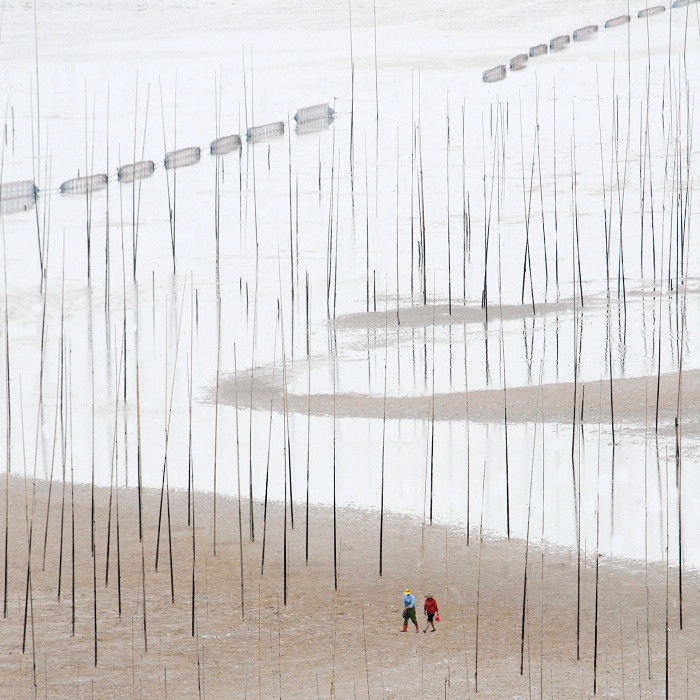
(251, 517)
(478, 583)
(53, 454)
(216, 405)
(466, 401)
(668, 566)
(308, 437)
(554, 148)
(646, 527)
(527, 551)
(597, 573)
(381, 497)
(398, 317)
(8, 446)
(238, 477)
(165, 478)
(449, 243)
(42, 263)
(432, 419)
(171, 202)
(107, 251)
(505, 388)
(527, 202)
(287, 439)
(112, 472)
(269, 441)
(72, 491)
(335, 518)
(63, 466)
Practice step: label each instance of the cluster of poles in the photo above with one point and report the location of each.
(670, 270)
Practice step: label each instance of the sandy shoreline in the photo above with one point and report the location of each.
(345, 644)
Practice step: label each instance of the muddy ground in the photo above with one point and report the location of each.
(324, 642)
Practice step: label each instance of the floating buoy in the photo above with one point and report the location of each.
(617, 21)
(585, 32)
(518, 62)
(314, 112)
(493, 74)
(264, 132)
(136, 171)
(182, 157)
(17, 196)
(81, 185)
(538, 50)
(17, 189)
(559, 42)
(649, 11)
(225, 144)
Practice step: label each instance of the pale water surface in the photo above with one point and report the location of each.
(119, 82)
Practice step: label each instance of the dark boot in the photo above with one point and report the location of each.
(405, 627)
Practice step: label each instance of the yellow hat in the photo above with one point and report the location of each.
(407, 591)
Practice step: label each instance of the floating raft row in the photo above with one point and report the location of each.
(81, 185)
(182, 157)
(649, 11)
(265, 132)
(617, 21)
(225, 144)
(558, 43)
(22, 194)
(313, 113)
(683, 3)
(136, 171)
(492, 75)
(313, 126)
(586, 32)
(518, 62)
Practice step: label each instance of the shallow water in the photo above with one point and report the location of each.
(173, 76)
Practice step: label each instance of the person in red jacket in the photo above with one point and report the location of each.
(430, 608)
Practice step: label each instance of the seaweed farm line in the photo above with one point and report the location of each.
(561, 41)
(446, 289)
(24, 192)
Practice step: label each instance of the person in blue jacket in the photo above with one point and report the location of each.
(409, 610)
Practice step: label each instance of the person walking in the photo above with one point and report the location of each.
(430, 608)
(409, 610)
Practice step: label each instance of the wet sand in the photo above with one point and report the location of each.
(324, 642)
(633, 402)
(629, 402)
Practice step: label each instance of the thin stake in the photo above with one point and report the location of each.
(381, 498)
(238, 476)
(478, 582)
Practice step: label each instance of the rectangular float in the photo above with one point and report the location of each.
(136, 171)
(494, 74)
(81, 185)
(182, 157)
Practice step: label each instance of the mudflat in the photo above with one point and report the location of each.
(336, 631)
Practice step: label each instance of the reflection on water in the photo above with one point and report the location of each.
(548, 339)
